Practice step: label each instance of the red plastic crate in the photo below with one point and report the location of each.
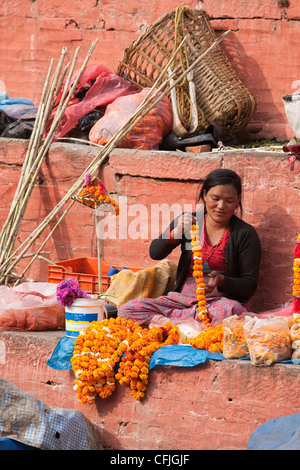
(84, 270)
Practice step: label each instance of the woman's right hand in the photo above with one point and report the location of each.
(184, 225)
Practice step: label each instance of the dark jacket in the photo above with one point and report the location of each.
(243, 254)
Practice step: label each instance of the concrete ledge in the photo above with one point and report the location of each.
(212, 406)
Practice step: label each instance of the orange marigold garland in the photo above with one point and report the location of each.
(99, 348)
(95, 194)
(198, 275)
(296, 269)
(211, 338)
(134, 366)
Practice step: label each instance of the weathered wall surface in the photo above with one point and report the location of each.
(142, 181)
(263, 46)
(212, 406)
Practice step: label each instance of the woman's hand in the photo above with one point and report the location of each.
(215, 280)
(184, 225)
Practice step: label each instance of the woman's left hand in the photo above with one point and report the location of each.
(215, 280)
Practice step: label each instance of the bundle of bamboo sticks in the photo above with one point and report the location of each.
(56, 80)
(38, 147)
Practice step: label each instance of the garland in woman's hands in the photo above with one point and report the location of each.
(198, 275)
(296, 269)
(211, 338)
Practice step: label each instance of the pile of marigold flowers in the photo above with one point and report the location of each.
(99, 349)
(95, 194)
(210, 339)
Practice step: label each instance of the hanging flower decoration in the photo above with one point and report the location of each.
(95, 194)
(296, 269)
(69, 290)
(99, 349)
(211, 338)
(198, 275)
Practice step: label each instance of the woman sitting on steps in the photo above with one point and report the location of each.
(231, 253)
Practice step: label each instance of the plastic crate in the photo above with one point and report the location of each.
(85, 271)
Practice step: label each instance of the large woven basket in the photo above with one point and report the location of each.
(221, 98)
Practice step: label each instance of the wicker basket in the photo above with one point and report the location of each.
(221, 98)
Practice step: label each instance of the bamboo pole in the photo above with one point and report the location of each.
(37, 151)
(32, 162)
(99, 257)
(144, 108)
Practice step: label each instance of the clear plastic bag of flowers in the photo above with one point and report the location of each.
(188, 328)
(234, 342)
(268, 340)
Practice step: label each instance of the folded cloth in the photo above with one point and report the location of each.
(147, 283)
(27, 420)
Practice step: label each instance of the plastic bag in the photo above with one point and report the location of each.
(148, 134)
(97, 87)
(31, 306)
(292, 111)
(189, 328)
(19, 108)
(234, 342)
(295, 337)
(268, 340)
(295, 327)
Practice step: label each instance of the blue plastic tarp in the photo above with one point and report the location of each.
(277, 434)
(172, 355)
(61, 356)
(181, 356)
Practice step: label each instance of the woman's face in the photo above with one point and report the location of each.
(221, 202)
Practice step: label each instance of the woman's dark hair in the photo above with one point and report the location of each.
(220, 177)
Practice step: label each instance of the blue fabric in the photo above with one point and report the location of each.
(277, 434)
(11, 444)
(112, 270)
(172, 355)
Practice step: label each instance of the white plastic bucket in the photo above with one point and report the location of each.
(81, 313)
(292, 111)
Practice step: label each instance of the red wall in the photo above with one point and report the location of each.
(270, 202)
(263, 46)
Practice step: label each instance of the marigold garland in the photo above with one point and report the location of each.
(96, 352)
(95, 194)
(198, 275)
(211, 338)
(99, 348)
(296, 269)
(134, 367)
